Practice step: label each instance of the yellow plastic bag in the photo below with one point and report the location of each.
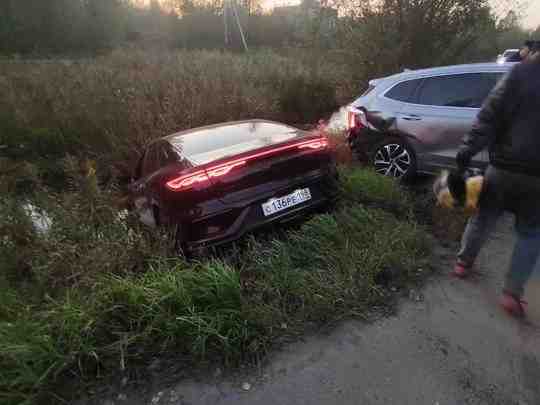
(473, 189)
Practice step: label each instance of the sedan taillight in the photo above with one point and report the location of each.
(321, 144)
(187, 181)
(203, 176)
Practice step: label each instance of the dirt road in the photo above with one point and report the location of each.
(449, 345)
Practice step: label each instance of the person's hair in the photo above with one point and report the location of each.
(535, 46)
(529, 44)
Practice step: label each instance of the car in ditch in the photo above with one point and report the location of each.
(215, 183)
(414, 122)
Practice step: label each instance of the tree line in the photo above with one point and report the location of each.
(389, 33)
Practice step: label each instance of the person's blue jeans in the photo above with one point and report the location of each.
(519, 194)
(524, 259)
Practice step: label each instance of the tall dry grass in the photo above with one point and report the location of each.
(113, 105)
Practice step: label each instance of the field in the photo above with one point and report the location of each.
(98, 293)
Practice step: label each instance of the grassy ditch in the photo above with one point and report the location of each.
(97, 293)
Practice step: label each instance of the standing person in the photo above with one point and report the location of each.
(509, 124)
(523, 53)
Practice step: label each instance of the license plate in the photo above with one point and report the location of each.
(279, 204)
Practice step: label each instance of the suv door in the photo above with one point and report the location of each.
(440, 113)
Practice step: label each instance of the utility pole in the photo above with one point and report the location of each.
(226, 21)
(227, 6)
(235, 9)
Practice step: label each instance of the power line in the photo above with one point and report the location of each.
(227, 6)
(235, 9)
(226, 22)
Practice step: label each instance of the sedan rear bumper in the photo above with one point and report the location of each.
(235, 221)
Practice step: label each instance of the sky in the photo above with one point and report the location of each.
(532, 15)
(269, 4)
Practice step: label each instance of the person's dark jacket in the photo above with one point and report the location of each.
(509, 122)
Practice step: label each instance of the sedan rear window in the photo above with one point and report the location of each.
(213, 143)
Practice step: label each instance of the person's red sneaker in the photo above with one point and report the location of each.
(461, 270)
(513, 305)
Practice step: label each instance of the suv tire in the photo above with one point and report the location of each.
(395, 158)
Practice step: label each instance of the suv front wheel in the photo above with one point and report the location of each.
(394, 158)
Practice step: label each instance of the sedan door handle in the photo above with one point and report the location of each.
(412, 117)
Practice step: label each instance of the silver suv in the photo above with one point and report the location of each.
(414, 122)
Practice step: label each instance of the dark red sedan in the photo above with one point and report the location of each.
(217, 182)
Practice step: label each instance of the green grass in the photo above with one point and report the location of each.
(196, 308)
(94, 294)
(327, 268)
(366, 187)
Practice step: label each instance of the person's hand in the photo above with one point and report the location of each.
(463, 159)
